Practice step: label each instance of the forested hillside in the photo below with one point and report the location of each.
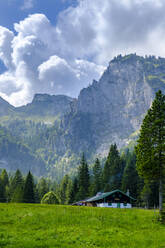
(16, 155)
(117, 172)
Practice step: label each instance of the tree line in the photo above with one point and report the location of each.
(117, 172)
(141, 171)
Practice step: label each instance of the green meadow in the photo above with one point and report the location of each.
(36, 226)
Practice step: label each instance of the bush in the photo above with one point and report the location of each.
(49, 198)
(162, 216)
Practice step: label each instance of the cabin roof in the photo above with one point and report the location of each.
(104, 195)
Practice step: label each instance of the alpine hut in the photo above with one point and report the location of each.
(113, 199)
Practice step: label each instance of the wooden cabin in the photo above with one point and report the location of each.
(113, 199)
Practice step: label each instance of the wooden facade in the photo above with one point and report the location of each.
(114, 199)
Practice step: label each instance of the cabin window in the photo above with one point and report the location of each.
(125, 204)
(109, 204)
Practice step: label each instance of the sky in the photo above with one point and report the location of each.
(61, 46)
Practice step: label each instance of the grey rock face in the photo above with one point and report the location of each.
(112, 109)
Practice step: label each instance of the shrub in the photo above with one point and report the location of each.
(49, 198)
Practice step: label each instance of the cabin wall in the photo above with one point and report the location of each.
(114, 205)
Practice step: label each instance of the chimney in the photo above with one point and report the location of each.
(127, 192)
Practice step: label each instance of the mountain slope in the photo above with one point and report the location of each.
(5, 107)
(15, 155)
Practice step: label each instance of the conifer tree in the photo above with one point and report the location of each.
(75, 189)
(43, 187)
(37, 198)
(97, 178)
(28, 195)
(2, 193)
(63, 189)
(69, 192)
(130, 177)
(112, 172)
(4, 178)
(17, 179)
(83, 179)
(150, 147)
(16, 187)
(4, 181)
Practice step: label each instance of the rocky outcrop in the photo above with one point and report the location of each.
(112, 109)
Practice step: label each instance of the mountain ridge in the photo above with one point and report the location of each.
(117, 103)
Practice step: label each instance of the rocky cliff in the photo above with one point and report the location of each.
(113, 108)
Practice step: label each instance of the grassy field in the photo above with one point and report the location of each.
(34, 226)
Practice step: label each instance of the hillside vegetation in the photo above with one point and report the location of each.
(27, 225)
(15, 154)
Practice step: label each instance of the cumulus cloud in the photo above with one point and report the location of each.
(67, 77)
(59, 75)
(36, 63)
(6, 37)
(102, 29)
(44, 58)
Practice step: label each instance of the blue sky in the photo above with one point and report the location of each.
(60, 46)
(12, 11)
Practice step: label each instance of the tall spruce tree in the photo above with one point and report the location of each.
(112, 172)
(130, 177)
(75, 189)
(16, 187)
(42, 188)
(4, 183)
(63, 189)
(2, 192)
(150, 194)
(4, 177)
(97, 178)
(28, 195)
(150, 147)
(83, 179)
(69, 192)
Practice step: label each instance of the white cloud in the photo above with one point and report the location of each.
(61, 59)
(103, 29)
(59, 75)
(6, 37)
(36, 63)
(63, 77)
(15, 88)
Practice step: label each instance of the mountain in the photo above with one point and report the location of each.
(24, 128)
(15, 155)
(46, 105)
(108, 111)
(112, 109)
(5, 107)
